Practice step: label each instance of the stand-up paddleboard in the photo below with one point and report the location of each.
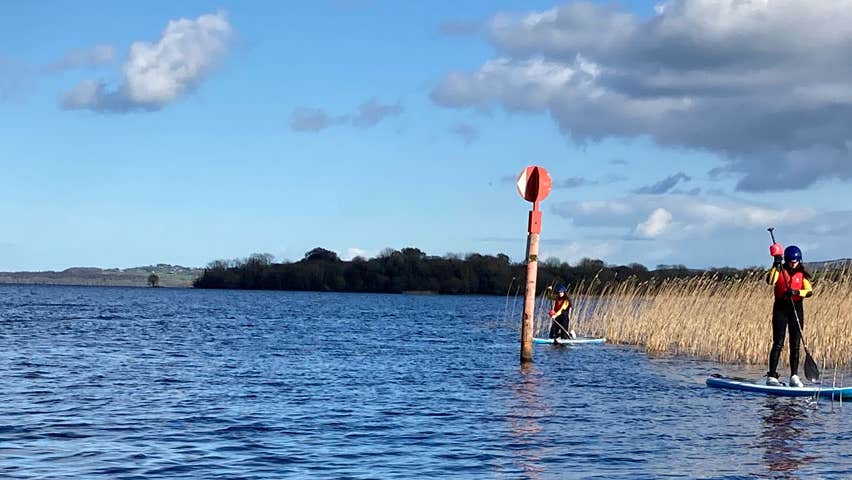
(836, 393)
(570, 341)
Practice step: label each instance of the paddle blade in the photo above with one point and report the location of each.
(811, 370)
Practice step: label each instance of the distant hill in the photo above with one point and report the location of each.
(830, 264)
(177, 276)
(170, 276)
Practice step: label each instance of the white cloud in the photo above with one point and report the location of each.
(693, 213)
(156, 74)
(372, 112)
(368, 114)
(74, 58)
(526, 85)
(353, 252)
(655, 225)
(311, 120)
(574, 251)
(186, 53)
(764, 84)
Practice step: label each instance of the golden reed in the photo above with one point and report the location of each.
(725, 320)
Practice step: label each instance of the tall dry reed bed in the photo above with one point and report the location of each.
(725, 320)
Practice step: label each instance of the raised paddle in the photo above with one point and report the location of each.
(811, 369)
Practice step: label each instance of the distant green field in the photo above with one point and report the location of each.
(170, 276)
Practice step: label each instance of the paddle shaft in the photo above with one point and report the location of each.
(552, 319)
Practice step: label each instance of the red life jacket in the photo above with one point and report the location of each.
(785, 281)
(557, 304)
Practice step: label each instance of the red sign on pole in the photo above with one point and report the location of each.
(534, 185)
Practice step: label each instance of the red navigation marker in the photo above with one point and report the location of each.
(534, 184)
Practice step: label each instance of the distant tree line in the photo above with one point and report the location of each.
(410, 269)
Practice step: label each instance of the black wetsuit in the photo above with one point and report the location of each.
(563, 321)
(783, 320)
(559, 327)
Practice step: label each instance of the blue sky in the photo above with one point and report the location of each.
(184, 132)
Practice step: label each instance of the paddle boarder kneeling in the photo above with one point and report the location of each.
(792, 284)
(560, 313)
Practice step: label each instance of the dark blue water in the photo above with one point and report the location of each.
(119, 383)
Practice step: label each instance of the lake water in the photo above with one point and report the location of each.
(120, 383)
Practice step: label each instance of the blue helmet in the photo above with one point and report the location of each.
(792, 253)
(563, 288)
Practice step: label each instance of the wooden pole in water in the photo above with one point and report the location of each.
(529, 296)
(534, 185)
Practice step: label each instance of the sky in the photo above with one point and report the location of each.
(135, 133)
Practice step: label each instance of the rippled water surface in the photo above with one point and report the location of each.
(121, 383)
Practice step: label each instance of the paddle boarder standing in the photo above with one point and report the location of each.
(560, 313)
(791, 284)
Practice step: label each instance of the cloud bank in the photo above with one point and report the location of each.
(692, 215)
(766, 85)
(713, 230)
